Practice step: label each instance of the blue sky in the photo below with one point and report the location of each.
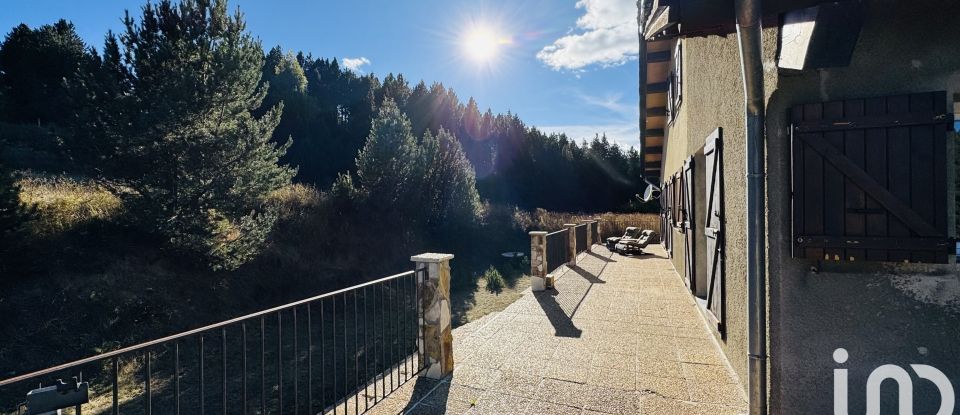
(567, 66)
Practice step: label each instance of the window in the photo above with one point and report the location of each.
(675, 87)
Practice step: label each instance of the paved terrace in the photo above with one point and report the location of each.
(619, 335)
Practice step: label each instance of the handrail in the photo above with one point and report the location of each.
(188, 333)
(556, 232)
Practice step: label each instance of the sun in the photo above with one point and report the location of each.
(482, 43)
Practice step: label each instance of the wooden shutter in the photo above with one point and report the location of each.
(689, 214)
(665, 215)
(667, 225)
(713, 227)
(677, 219)
(869, 179)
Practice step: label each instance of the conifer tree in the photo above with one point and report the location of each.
(33, 66)
(387, 165)
(174, 128)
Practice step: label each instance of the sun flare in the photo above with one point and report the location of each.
(483, 43)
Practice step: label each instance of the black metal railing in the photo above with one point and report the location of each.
(558, 249)
(580, 231)
(343, 351)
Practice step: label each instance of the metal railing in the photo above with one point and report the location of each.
(580, 232)
(342, 351)
(595, 232)
(558, 249)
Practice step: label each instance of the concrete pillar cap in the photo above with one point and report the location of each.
(568, 225)
(431, 257)
(538, 232)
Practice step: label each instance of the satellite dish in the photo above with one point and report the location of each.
(651, 192)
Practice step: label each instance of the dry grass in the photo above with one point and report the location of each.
(295, 200)
(63, 203)
(485, 301)
(611, 223)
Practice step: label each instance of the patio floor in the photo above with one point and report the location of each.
(619, 335)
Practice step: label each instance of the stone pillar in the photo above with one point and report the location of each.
(572, 233)
(538, 260)
(589, 224)
(433, 284)
(599, 234)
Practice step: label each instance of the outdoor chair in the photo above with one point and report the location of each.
(634, 246)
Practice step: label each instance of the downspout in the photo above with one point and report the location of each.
(751, 63)
(641, 19)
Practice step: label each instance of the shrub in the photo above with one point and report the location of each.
(494, 280)
(294, 200)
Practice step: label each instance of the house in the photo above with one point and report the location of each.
(806, 155)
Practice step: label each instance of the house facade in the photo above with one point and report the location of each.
(833, 255)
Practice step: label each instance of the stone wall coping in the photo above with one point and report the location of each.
(538, 232)
(431, 257)
(569, 224)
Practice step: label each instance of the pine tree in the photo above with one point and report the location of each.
(33, 66)
(387, 164)
(450, 185)
(174, 126)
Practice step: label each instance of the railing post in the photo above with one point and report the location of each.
(599, 234)
(589, 232)
(572, 233)
(433, 284)
(538, 260)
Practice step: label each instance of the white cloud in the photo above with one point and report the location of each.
(354, 64)
(606, 35)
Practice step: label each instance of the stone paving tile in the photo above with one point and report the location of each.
(562, 370)
(711, 392)
(549, 408)
(498, 403)
(618, 336)
(562, 392)
(706, 373)
(613, 378)
(612, 401)
(515, 383)
(675, 388)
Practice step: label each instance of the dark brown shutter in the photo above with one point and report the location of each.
(713, 228)
(665, 215)
(667, 225)
(678, 201)
(869, 179)
(688, 216)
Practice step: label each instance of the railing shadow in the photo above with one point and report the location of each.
(562, 323)
(587, 275)
(601, 257)
(428, 396)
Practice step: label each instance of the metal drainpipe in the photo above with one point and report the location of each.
(751, 63)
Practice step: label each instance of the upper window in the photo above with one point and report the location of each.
(675, 88)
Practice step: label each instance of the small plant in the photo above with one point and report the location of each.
(494, 280)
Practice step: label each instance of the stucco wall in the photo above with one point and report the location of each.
(881, 313)
(712, 98)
